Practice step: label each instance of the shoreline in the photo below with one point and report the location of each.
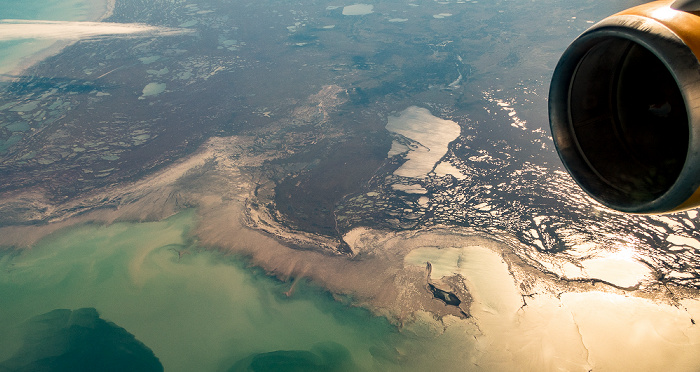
(506, 301)
(97, 12)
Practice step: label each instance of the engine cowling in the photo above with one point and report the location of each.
(624, 108)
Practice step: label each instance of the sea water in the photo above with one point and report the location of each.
(16, 53)
(196, 309)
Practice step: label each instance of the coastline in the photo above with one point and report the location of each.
(97, 12)
(507, 301)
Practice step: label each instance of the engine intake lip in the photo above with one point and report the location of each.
(602, 149)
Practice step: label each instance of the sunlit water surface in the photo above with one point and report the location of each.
(574, 332)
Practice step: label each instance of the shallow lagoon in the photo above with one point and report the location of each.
(12, 53)
(195, 309)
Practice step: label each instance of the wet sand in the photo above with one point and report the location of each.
(220, 193)
(386, 273)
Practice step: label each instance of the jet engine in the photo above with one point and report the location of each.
(624, 108)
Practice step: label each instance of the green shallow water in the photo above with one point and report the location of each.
(13, 52)
(203, 311)
(54, 10)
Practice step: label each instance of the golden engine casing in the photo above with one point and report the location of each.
(624, 109)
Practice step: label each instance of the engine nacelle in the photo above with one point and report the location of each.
(624, 108)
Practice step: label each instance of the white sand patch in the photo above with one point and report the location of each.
(457, 82)
(295, 27)
(445, 168)
(62, 30)
(397, 149)
(483, 207)
(424, 201)
(671, 223)
(431, 134)
(565, 269)
(682, 240)
(358, 9)
(624, 272)
(516, 121)
(409, 189)
(620, 268)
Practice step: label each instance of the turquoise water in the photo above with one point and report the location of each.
(195, 309)
(54, 10)
(12, 53)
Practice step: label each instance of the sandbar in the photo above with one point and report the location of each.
(98, 11)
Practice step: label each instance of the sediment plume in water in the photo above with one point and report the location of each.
(510, 312)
